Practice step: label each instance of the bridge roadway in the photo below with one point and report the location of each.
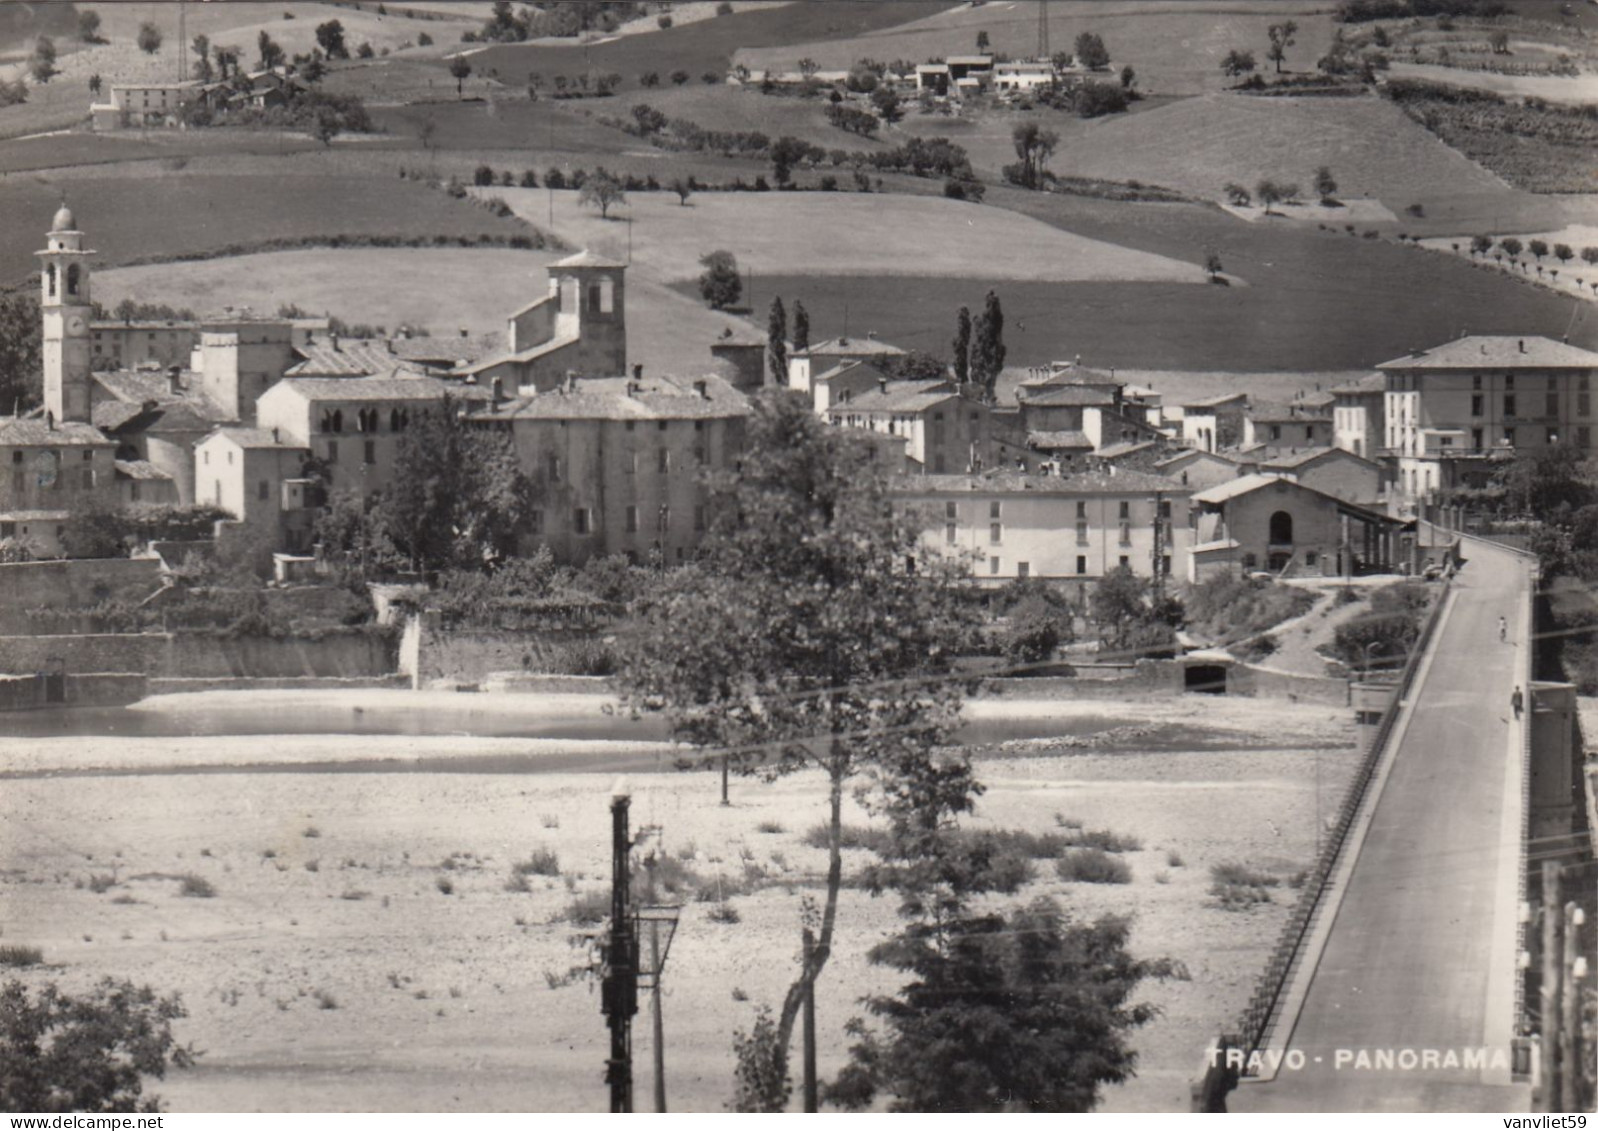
(1421, 952)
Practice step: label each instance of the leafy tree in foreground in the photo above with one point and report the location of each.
(823, 632)
(1091, 52)
(60, 1053)
(330, 38)
(720, 284)
(149, 38)
(455, 503)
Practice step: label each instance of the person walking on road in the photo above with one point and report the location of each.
(1517, 702)
(1503, 630)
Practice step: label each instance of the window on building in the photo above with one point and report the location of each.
(1476, 404)
(1126, 534)
(1081, 563)
(332, 451)
(580, 520)
(630, 425)
(632, 520)
(1583, 404)
(1165, 564)
(74, 275)
(1509, 404)
(1509, 436)
(230, 459)
(995, 510)
(1475, 381)
(1126, 562)
(1124, 510)
(1276, 431)
(699, 454)
(993, 566)
(370, 454)
(49, 280)
(949, 533)
(262, 490)
(951, 510)
(1023, 570)
(133, 491)
(661, 426)
(1081, 532)
(205, 460)
(1311, 557)
(1551, 403)
(88, 456)
(663, 460)
(552, 468)
(629, 464)
(1081, 510)
(1476, 438)
(1583, 436)
(16, 457)
(996, 532)
(593, 297)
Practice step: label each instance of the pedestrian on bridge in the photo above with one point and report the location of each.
(1517, 702)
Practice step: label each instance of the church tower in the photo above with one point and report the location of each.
(64, 297)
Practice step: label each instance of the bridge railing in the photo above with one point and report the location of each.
(1256, 1022)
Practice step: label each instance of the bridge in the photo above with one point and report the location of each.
(1400, 990)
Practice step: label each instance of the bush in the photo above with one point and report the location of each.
(543, 862)
(1106, 841)
(196, 887)
(852, 837)
(1237, 887)
(769, 827)
(20, 956)
(1092, 866)
(589, 909)
(724, 913)
(424, 40)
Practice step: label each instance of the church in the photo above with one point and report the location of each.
(267, 420)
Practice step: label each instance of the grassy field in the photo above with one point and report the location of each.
(388, 962)
(723, 107)
(1279, 323)
(843, 234)
(131, 218)
(442, 289)
(700, 47)
(1198, 145)
(1175, 45)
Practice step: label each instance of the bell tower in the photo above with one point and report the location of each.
(64, 299)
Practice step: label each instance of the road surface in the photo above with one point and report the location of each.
(1421, 954)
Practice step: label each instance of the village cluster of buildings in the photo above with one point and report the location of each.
(1069, 473)
(162, 105)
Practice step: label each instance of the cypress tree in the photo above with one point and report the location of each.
(777, 342)
(801, 327)
(962, 345)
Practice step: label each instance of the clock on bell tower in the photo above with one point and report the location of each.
(64, 302)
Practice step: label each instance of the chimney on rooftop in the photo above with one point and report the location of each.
(49, 420)
(333, 341)
(499, 392)
(173, 383)
(1522, 344)
(703, 389)
(274, 436)
(638, 373)
(871, 335)
(571, 380)
(464, 334)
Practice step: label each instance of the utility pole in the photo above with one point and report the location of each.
(618, 998)
(1570, 1011)
(724, 799)
(812, 1095)
(1553, 930)
(183, 41)
(1043, 29)
(659, 1026)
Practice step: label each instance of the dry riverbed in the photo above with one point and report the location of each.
(366, 948)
